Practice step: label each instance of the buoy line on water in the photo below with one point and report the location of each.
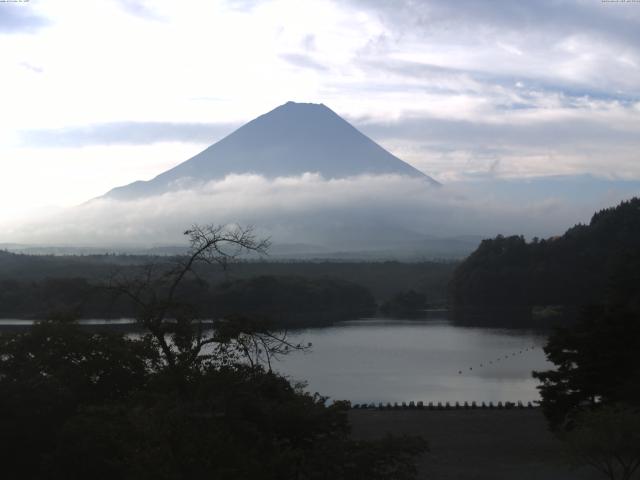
(506, 357)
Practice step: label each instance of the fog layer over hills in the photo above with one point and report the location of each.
(389, 216)
(318, 187)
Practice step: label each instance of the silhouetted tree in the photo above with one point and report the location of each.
(47, 375)
(597, 362)
(160, 294)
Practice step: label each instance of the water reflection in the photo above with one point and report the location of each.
(386, 360)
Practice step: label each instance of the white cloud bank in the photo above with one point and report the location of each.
(359, 213)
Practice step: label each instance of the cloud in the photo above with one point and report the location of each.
(139, 8)
(20, 18)
(244, 5)
(303, 61)
(572, 45)
(31, 68)
(126, 133)
(598, 129)
(359, 213)
(518, 83)
(558, 17)
(571, 135)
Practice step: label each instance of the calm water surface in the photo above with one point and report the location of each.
(390, 360)
(380, 360)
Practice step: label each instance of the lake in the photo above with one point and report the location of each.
(385, 360)
(390, 360)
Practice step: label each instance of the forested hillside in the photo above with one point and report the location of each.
(383, 279)
(292, 293)
(284, 300)
(574, 269)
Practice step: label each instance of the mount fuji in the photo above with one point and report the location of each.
(292, 139)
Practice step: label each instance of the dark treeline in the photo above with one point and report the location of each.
(280, 298)
(288, 301)
(20, 266)
(289, 293)
(572, 270)
(408, 303)
(383, 279)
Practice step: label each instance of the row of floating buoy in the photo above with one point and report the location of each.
(443, 406)
(503, 357)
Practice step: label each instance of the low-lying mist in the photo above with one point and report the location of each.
(352, 214)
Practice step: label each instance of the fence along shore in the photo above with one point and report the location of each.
(445, 406)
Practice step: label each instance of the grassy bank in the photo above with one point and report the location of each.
(475, 444)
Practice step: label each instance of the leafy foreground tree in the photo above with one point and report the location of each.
(592, 398)
(184, 400)
(607, 439)
(597, 363)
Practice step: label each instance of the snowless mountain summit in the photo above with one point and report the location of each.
(290, 140)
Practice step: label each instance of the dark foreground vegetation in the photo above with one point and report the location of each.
(592, 397)
(181, 401)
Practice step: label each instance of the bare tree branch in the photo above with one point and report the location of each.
(154, 292)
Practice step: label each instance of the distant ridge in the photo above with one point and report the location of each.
(290, 140)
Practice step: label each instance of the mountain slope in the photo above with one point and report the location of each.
(290, 140)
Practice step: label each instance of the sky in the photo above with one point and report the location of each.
(100, 93)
